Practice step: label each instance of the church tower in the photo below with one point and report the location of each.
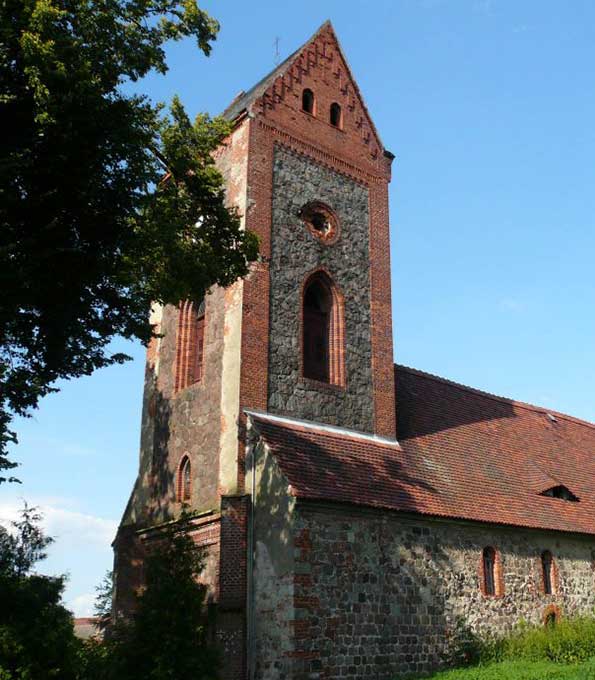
(306, 335)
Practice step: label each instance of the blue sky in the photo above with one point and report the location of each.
(489, 107)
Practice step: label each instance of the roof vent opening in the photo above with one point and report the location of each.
(562, 492)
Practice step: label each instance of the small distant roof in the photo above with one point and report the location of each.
(463, 454)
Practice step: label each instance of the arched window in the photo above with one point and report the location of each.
(551, 616)
(190, 344)
(335, 118)
(308, 101)
(550, 620)
(547, 571)
(323, 331)
(489, 571)
(184, 480)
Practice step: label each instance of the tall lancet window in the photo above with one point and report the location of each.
(547, 570)
(190, 344)
(184, 480)
(323, 331)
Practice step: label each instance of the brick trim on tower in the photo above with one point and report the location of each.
(231, 617)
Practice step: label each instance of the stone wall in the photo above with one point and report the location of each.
(380, 595)
(295, 253)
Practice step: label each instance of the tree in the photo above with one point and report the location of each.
(107, 203)
(36, 632)
(166, 637)
(104, 600)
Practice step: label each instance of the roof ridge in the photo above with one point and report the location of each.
(326, 428)
(507, 400)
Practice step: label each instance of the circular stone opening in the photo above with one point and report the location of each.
(320, 221)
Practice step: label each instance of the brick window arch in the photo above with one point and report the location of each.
(308, 101)
(323, 330)
(549, 576)
(184, 481)
(336, 118)
(491, 582)
(551, 616)
(189, 344)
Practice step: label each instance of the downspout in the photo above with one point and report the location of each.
(250, 614)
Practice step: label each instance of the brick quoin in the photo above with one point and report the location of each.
(231, 619)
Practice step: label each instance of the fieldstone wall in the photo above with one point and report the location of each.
(376, 595)
(295, 253)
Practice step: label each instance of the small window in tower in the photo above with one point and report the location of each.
(322, 333)
(336, 120)
(562, 492)
(547, 570)
(321, 221)
(308, 101)
(185, 480)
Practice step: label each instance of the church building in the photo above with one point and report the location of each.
(359, 518)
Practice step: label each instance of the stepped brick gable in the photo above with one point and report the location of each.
(358, 519)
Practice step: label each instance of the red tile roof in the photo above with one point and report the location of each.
(463, 454)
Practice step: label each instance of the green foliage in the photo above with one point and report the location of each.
(166, 637)
(570, 641)
(566, 650)
(106, 203)
(36, 632)
(104, 600)
(521, 670)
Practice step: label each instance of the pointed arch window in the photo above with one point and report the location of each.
(322, 331)
(190, 344)
(184, 480)
(547, 572)
(308, 102)
(336, 119)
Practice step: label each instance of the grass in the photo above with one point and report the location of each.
(563, 652)
(522, 670)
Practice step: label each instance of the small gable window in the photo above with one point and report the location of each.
(547, 571)
(308, 101)
(184, 480)
(335, 118)
(562, 492)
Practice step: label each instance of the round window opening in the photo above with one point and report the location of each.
(320, 221)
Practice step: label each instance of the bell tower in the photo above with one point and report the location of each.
(316, 329)
(307, 334)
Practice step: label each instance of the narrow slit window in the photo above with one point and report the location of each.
(185, 480)
(489, 571)
(308, 101)
(336, 120)
(547, 569)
